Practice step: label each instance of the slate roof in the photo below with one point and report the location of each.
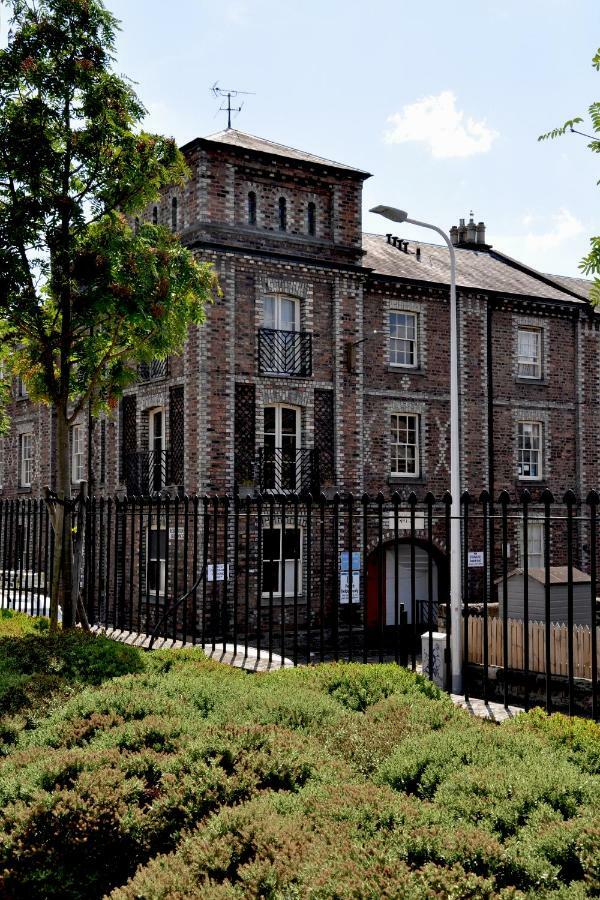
(581, 286)
(558, 575)
(251, 142)
(478, 269)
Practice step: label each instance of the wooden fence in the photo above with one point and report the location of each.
(559, 652)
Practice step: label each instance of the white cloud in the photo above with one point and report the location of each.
(564, 226)
(556, 245)
(436, 121)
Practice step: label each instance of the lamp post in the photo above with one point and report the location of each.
(398, 215)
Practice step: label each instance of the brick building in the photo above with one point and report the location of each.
(325, 365)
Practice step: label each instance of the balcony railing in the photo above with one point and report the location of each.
(153, 371)
(149, 472)
(284, 352)
(284, 472)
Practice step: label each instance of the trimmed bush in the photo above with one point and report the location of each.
(191, 779)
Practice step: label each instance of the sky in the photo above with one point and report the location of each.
(442, 102)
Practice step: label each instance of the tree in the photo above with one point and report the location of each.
(590, 264)
(83, 297)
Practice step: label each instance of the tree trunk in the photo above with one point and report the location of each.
(62, 575)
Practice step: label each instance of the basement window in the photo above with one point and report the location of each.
(282, 556)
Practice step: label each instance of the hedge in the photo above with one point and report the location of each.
(168, 775)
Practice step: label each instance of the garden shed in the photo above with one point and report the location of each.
(536, 578)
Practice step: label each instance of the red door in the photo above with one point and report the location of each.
(373, 612)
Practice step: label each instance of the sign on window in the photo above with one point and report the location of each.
(345, 588)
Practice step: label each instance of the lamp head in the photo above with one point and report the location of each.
(390, 212)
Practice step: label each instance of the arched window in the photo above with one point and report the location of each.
(282, 214)
(174, 214)
(251, 208)
(155, 216)
(311, 219)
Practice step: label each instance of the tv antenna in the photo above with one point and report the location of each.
(221, 93)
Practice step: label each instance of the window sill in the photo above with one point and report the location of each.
(405, 479)
(406, 370)
(288, 600)
(287, 375)
(520, 379)
(24, 489)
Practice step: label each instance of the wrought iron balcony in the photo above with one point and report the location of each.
(284, 472)
(284, 352)
(153, 371)
(149, 472)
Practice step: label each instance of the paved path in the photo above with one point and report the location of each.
(252, 661)
(495, 712)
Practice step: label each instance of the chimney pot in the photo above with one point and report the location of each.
(389, 238)
(418, 254)
(481, 233)
(454, 235)
(471, 232)
(394, 240)
(405, 246)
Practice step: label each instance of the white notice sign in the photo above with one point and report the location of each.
(345, 587)
(476, 559)
(210, 572)
(405, 522)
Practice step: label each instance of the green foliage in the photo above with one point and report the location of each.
(579, 737)
(187, 778)
(83, 296)
(35, 664)
(590, 264)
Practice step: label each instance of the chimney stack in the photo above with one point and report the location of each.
(471, 231)
(470, 236)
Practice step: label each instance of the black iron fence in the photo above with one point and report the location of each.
(301, 579)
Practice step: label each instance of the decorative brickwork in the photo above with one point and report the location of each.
(129, 442)
(245, 432)
(176, 433)
(325, 435)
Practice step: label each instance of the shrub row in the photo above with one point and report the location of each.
(188, 778)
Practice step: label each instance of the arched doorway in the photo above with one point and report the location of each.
(390, 591)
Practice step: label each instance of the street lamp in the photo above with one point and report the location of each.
(398, 215)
